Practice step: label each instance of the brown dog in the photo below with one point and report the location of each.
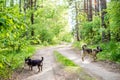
(91, 52)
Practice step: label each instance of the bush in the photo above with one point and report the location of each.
(111, 51)
(11, 60)
(67, 37)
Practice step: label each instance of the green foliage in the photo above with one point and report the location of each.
(111, 51)
(63, 60)
(9, 60)
(49, 23)
(91, 31)
(12, 29)
(67, 37)
(114, 19)
(78, 44)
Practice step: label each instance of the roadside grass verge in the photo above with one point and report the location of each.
(74, 71)
(12, 60)
(63, 60)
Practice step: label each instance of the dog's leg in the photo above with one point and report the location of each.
(95, 57)
(82, 58)
(38, 68)
(83, 55)
(41, 67)
(31, 68)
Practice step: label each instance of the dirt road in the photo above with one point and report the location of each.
(52, 70)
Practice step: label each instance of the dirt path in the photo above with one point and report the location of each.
(53, 71)
(49, 67)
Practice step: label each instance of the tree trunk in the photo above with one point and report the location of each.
(4, 3)
(35, 6)
(32, 15)
(103, 13)
(87, 10)
(97, 6)
(90, 10)
(32, 18)
(11, 3)
(77, 27)
(85, 6)
(20, 5)
(24, 7)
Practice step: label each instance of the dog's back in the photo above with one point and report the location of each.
(92, 52)
(35, 62)
(86, 50)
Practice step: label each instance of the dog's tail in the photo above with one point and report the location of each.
(42, 58)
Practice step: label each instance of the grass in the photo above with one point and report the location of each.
(63, 60)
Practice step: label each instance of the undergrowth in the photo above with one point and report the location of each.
(11, 60)
(111, 51)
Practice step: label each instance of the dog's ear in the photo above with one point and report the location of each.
(84, 46)
(99, 48)
(28, 57)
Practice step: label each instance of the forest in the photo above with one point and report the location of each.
(28, 24)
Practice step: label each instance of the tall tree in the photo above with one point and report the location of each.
(105, 35)
(90, 10)
(20, 3)
(11, 3)
(85, 8)
(97, 6)
(30, 4)
(77, 25)
(32, 15)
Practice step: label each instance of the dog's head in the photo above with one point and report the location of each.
(84, 46)
(27, 59)
(99, 48)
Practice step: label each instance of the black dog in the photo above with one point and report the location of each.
(37, 62)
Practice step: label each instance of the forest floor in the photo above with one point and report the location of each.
(52, 70)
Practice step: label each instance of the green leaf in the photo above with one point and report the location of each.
(1, 66)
